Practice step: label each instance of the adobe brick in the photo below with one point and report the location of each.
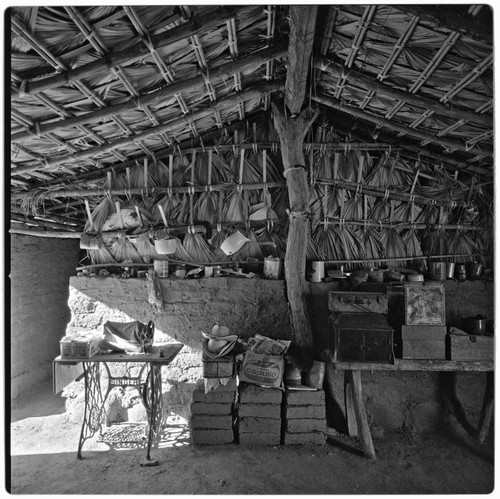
(217, 397)
(299, 397)
(253, 394)
(305, 412)
(305, 425)
(211, 437)
(211, 409)
(315, 437)
(204, 421)
(264, 425)
(272, 411)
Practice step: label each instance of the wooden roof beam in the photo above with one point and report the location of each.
(302, 30)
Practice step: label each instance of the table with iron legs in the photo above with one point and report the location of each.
(147, 382)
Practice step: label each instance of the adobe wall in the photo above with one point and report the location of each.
(43, 306)
(39, 274)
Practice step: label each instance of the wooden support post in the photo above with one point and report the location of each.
(292, 132)
(350, 414)
(360, 411)
(487, 409)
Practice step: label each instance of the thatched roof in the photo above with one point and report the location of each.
(113, 89)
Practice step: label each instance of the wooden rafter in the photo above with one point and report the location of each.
(357, 78)
(69, 160)
(132, 54)
(155, 98)
(450, 145)
(444, 17)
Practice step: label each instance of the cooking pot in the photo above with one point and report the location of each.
(474, 325)
(165, 246)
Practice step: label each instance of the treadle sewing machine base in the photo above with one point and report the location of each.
(147, 382)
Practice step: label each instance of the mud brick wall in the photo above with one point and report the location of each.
(39, 273)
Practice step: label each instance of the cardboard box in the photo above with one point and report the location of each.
(79, 347)
(262, 370)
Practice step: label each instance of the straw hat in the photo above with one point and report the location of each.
(218, 342)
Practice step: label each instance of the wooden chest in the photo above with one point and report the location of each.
(463, 346)
(361, 338)
(357, 301)
(423, 342)
(424, 304)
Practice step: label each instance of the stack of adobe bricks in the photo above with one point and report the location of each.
(304, 417)
(259, 415)
(212, 414)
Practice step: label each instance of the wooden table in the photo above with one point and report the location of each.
(354, 392)
(148, 383)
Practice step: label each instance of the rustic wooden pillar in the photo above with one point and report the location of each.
(292, 132)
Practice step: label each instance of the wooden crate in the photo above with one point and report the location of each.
(423, 342)
(223, 367)
(423, 332)
(463, 346)
(424, 349)
(425, 304)
(357, 301)
(361, 338)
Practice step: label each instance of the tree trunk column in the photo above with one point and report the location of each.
(292, 131)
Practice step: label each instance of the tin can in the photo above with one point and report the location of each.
(273, 267)
(209, 271)
(460, 272)
(475, 270)
(161, 268)
(437, 271)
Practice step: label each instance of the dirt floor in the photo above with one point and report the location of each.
(44, 444)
